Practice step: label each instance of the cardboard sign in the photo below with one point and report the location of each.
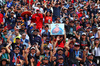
(57, 29)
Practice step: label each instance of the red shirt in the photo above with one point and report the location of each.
(48, 18)
(38, 19)
(79, 15)
(1, 18)
(61, 44)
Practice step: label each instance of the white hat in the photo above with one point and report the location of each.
(98, 28)
(32, 48)
(83, 33)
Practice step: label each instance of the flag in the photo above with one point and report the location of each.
(30, 1)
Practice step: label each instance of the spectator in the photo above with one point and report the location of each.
(27, 37)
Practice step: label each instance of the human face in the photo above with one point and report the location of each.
(23, 36)
(91, 34)
(96, 41)
(32, 51)
(60, 52)
(37, 11)
(48, 13)
(67, 21)
(26, 16)
(3, 50)
(77, 47)
(0, 42)
(56, 5)
(18, 41)
(71, 45)
(71, 24)
(35, 32)
(17, 50)
(60, 61)
(90, 57)
(46, 28)
(45, 61)
(46, 51)
(23, 27)
(83, 36)
(3, 63)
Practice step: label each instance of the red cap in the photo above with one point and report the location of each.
(37, 10)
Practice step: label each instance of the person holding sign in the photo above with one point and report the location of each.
(57, 30)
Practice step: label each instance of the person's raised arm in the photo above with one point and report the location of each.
(54, 45)
(7, 47)
(37, 51)
(98, 2)
(28, 30)
(50, 53)
(6, 14)
(67, 45)
(42, 47)
(26, 57)
(77, 36)
(92, 18)
(53, 3)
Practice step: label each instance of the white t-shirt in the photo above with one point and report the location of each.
(41, 9)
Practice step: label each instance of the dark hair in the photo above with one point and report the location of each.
(47, 12)
(26, 18)
(47, 26)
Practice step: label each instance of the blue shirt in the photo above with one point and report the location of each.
(13, 56)
(56, 11)
(9, 4)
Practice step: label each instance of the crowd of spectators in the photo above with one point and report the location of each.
(25, 35)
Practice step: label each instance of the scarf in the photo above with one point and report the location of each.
(5, 56)
(16, 58)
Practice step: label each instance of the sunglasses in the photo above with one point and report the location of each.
(17, 49)
(77, 45)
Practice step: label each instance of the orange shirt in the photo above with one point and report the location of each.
(47, 19)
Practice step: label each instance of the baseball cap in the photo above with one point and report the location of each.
(17, 47)
(89, 54)
(99, 11)
(98, 28)
(45, 58)
(92, 37)
(97, 39)
(38, 3)
(90, 32)
(83, 33)
(88, 27)
(32, 48)
(76, 44)
(12, 12)
(46, 48)
(59, 49)
(3, 48)
(87, 17)
(60, 57)
(36, 30)
(37, 10)
(17, 37)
